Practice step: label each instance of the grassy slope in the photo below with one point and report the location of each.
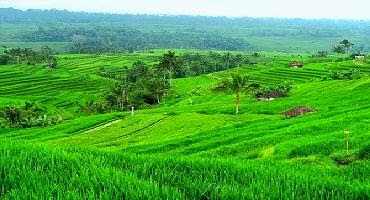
(194, 147)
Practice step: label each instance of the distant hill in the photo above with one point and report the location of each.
(116, 32)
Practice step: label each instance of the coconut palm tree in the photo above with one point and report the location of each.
(169, 62)
(88, 107)
(157, 87)
(15, 53)
(237, 85)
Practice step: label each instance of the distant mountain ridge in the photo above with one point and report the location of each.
(171, 31)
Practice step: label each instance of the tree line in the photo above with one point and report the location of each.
(28, 56)
(139, 86)
(28, 115)
(110, 32)
(103, 39)
(142, 85)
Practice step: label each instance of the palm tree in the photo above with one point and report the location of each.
(88, 107)
(169, 62)
(125, 88)
(226, 58)
(238, 84)
(157, 87)
(15, 53)
(27, 53)
(32, 58)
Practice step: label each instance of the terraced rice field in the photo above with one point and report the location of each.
(194, 147)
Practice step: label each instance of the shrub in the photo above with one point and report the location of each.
(4, 59)
(223, 87)
(351, 74)
(27, 116)
(12, 115)
(342, 75)
(364, 152)
(342, 158)
(277, 91)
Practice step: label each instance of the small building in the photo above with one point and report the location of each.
(360, 57)
(269, 96)
(296, 64)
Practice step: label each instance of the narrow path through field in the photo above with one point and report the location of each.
(131, 133)
(103, 126)
(143, 128)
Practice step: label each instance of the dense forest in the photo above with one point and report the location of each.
(82, 32)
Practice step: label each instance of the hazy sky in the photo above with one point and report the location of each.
(354, 9)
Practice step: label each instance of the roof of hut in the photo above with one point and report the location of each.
(296, 64)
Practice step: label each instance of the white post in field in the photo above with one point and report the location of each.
(347, 135)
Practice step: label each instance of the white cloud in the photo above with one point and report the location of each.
(356, 9)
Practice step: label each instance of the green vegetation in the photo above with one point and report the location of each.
(94, 107)
(27, 116)
(77, 32)
(186, 141)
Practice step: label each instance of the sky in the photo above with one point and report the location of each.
(333, 9)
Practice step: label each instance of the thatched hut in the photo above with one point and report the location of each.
(296, 64)
(269, 96)
(360, 57)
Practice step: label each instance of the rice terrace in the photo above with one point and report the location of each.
(101, 104)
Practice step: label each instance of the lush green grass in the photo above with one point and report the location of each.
(192, 147)
(36, 172)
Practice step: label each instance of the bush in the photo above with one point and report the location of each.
(342, 75)
(351, 74)
(364, 152)
(4, 59)
(342, 158)
(223, 87)
(27, 116)
(277, 91)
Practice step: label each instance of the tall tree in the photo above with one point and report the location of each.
(169, 62)
(339, 49)
(226, 58)
(237, 85)
(157, 87)
(89, 107)
(322, 53)
(347, 45)
(79, 42)
(29, 55)
(4, 59)
(125, 88)
(138, 71)
(46, 51)
(15, 53)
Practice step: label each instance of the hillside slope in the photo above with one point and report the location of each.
(194, 147)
